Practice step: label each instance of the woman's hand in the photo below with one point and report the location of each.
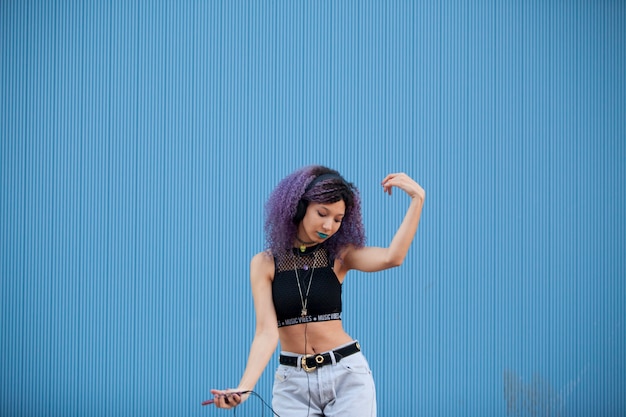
(229, 398)
(405, 183)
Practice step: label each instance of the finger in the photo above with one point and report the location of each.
(219, 400)
(228, 400)
(219, 392)
(387, 187)
(392, 179)
(224, 402)
(388, 178)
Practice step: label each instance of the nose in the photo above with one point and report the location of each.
(328, 225)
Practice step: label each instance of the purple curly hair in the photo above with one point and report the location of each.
(285, 208)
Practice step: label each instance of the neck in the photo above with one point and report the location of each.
(303, 244)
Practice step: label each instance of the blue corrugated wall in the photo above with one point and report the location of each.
(139, 141)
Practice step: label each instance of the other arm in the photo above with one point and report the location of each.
(372, 259)
(266, 334)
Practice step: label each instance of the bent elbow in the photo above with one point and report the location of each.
(395, 262)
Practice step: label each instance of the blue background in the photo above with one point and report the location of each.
(140, 140)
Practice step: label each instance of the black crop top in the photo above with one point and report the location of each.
(313, 266)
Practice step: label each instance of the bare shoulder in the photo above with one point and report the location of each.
(262, 265)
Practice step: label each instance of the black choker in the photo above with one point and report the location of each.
(303, 244)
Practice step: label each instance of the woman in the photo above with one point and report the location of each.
(315, 236)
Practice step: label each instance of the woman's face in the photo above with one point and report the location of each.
(321, 221)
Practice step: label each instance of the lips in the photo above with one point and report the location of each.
(322, 235)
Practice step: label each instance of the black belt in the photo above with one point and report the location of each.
(310, 362)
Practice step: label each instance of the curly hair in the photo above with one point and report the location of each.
(285, 208)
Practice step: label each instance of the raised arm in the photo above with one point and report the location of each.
(371, 259)
(266, 334)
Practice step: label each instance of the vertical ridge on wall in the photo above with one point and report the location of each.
(139, 142)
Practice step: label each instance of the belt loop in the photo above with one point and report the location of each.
(299, 363)
(332, 357)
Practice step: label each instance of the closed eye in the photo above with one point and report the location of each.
(338, 220)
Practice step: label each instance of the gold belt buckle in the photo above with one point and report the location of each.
(319, 359)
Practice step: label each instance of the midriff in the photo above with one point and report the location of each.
(320, 337)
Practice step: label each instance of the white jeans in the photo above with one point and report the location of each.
(341, 389)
